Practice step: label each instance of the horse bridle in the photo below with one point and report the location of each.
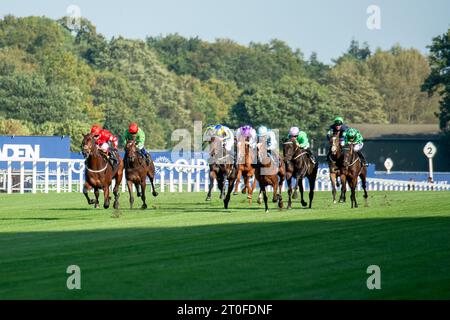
(88, 152)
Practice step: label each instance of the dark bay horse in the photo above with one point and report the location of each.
(246, 169)
(137, 171)
(298, 166)
(221, 168)
(335, 163)
(352, 169)
(100, 173)
(269, 171)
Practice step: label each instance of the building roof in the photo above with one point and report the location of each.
(398, 131)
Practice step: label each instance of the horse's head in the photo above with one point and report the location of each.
(87, 146)
(348, 152)
(131, 150)
(289, 149)
(216, 147)
(335, 145)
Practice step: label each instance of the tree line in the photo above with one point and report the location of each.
(59, 81)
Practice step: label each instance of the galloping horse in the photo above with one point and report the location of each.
(221, 169)
(270, 172)
(247, 170)
(99, 173)
(136, 172)
(299, 165)
(335, 167)
(352, 169)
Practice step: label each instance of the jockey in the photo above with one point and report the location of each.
(268, 136)
(353, 136)
(246, 133)
(338, 127)
(105, 140)
(302, 139)
(209, 132)
(225, 133)
(137, 134)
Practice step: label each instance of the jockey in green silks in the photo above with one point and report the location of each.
(353, 136)
(301, 137)
(137, 134)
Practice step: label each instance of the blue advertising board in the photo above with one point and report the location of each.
(20, 148)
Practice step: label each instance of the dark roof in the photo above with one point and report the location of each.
(398, 131)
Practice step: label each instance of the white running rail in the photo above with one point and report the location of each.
(67, 175)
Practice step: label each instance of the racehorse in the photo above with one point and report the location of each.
(247, 170)
(100, 173)
(137, 171)
(335, 167)
(221, 168)
(270, 172)
(298, 166)
(352, 169)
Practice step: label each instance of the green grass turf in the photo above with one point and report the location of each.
(185, 248)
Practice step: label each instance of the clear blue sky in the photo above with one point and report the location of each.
(324, 26)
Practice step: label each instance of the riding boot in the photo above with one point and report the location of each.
(363, 159)
(112, 159)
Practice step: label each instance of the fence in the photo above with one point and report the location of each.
(67, 175)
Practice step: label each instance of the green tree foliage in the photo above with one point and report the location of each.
(292, 101)
(228, 61)
(398, 75)
(355, 94)
(439, 79)
(59, 81)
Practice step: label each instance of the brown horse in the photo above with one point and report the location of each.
(246, 169)
(221, 168)
(100, 173)
(269, 171)
(352, 169)
(137, 171)
(299, 165)
(335, 162)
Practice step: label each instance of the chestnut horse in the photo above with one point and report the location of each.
(352, 169)
(137, 171)
(221, 168)
(100, 173)
(298, 166)
(269, 171)
(246, 169)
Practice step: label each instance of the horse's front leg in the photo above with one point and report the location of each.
(116, 192)
(333, 186)
(143, 187)
(263, 190)
(151, 177)
(97, 195)
(343, 188)
(86, 189)
(289, 184)
(238, 181)
(221, 184)
(130, 191)
(230, 189)
(312, 186)
(106, 196)
(212, 177)
(300, 185)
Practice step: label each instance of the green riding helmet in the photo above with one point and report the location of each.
(338, 120)
(351, 133)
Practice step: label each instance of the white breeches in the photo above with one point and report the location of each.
(358, 147)
(105, 147)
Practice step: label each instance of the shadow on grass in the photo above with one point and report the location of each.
(325, 259)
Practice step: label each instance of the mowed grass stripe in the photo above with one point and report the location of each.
(185, 248)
